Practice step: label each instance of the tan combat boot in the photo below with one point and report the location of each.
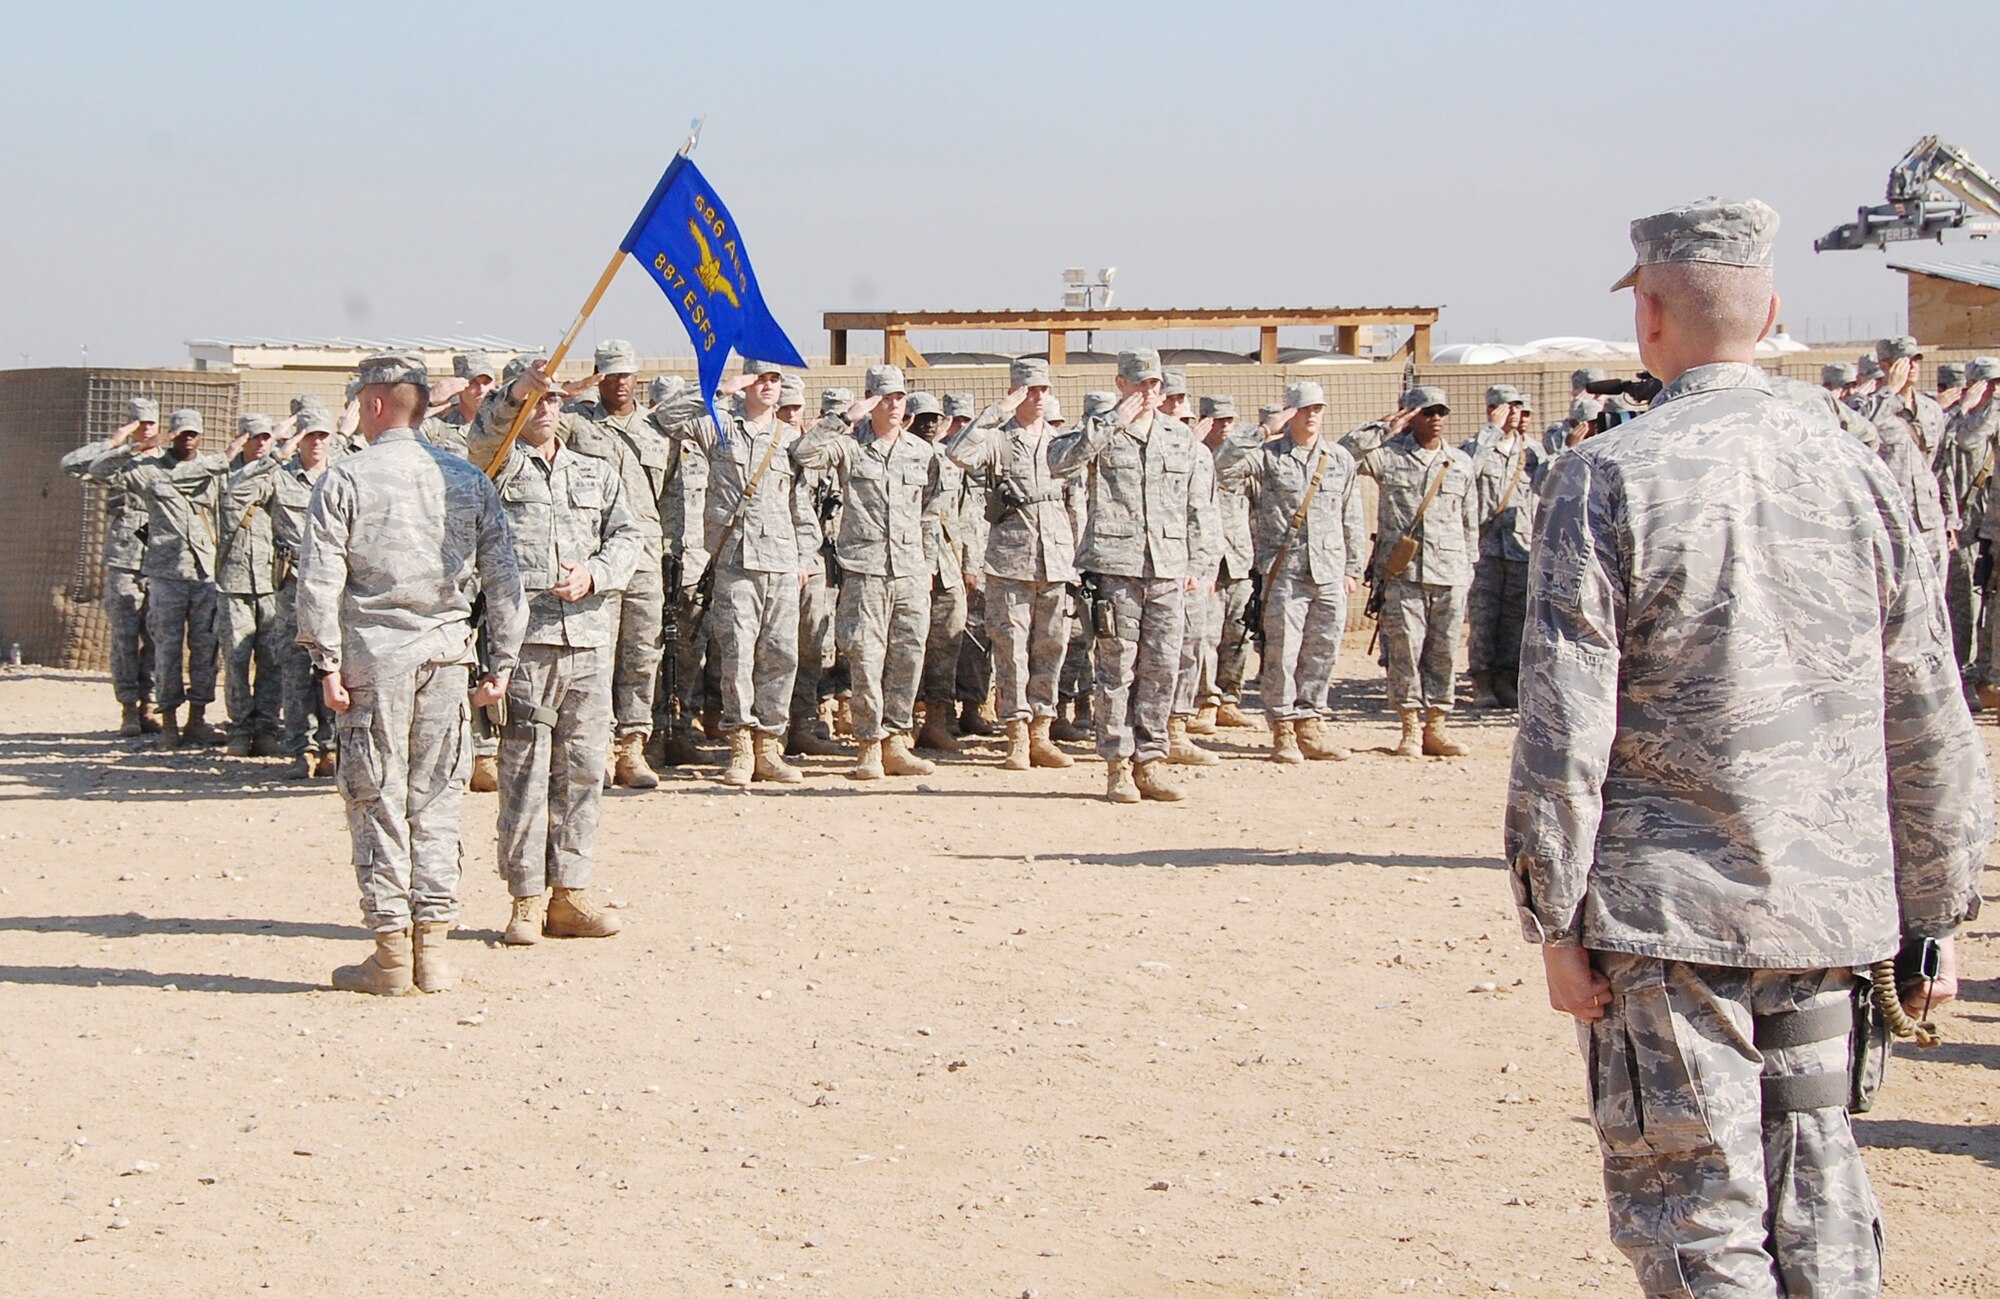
(1182, 751)
(197, 730)
(972, 721)
(803, 740)
(1118, 786)
(485, 774)
(1066, 727)
(936, 733)
(629, 759)
(573, 915)
(149, 717)
(868, 765)
(843, 717)
(1989, 694)
(170, 730)
(1411, 745)
(130, 721)
(434, 972)
(674, 749)
(711, 723)
(1314, 741)
(1436, 743)
(524, 926)
(327, 764)
(1203, 722)
(1232, 715)
(1018, 741)
(899, 760)
(1285, 743)
(1042, 750)
(1151, 778)
(386, 973)
(742, 766)
(768, 761)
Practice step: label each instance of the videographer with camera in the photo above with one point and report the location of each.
(1742, 771)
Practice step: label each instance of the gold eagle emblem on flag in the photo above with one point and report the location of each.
(710, 271)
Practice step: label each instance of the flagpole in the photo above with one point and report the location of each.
(576, 326)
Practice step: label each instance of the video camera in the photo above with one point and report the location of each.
(1639, 392)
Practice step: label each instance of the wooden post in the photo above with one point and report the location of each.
(1349, 340)
(837, 347)
(896, 351)
(1058, 347)
(1420, 344)
(1267, 344)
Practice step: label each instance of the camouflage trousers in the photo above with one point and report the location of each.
(1225, 644)
(1496, 608)
(253, 647)
(131, 643)
(941, 650)
(1078, 673)
(1962, 601)
(1708, 1195)
(181, 616)
(1303, 623)
(1194, 626)
(637, 613)
(880, 625)
(1137, 667)
(1029, 624)
(1420, 624)
(755, 620)
(552, 775)
(403, 762)
(308, 721)
(975, 652)
(693, 663)
(815, 645)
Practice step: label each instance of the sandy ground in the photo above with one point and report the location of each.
(984, 1036)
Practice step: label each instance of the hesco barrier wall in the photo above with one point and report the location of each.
(51, 526)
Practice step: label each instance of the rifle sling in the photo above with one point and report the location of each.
(1298, 521)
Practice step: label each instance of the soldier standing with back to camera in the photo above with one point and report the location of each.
(1707, 836)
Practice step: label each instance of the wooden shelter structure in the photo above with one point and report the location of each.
(1059, 324)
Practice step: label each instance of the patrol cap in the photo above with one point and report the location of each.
(923, 403)
(664, 387)
(517, 367)
(1052, 410)
(1138, 365)
(315, 419)
(1717, 231)
(474, 365)
(1268, 409)
(1837, 374)
(184, 420)
(254, 426)
(1423, 398)
(1585, 409)
(1525, 402)
(615, 356)
(142, 409)
(1896, 349)
(1220, 407)
(1173, 382)
(1304, 393)
(1982, 369)
(832, 401)
(751, 365)
(1589, 374)
(1098, 403)
(1502, 394)
(394, 367)
(1950, 374)
(1867, 367)
(881, 380)
(959, 404)
(791, 391)
(1028, 372)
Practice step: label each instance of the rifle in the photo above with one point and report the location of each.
(1259, 582)
(482, 653)
(704, 587)
(671, 567)
(826, 504)
(1251, 620)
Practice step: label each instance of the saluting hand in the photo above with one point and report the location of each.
(1015, 396)
(1128, 409)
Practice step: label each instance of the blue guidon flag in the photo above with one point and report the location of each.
(688, 242)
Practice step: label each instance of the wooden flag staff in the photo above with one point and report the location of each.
(575, 328)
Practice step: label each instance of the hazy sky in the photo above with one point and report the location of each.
(191, 170)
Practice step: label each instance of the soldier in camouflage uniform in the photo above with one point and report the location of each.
(1950, 386)
(818, 511)
(1143, 472)
(973, 687)
(1975, 440)
(247, 622)
(1709, 958)
(1423, 605)
(1074, 723)
(1838, 379)
(1506, 472)
(1911, 427)
(944, 550)
(624, 437)
(1205, 546)
(1310, 542)
(1028, 559)
(683, 500)
(181, 488)
(1557, 436)
(753, 523)
(575, 543)
(882, 618)
(1505, 418)
(448, 429)
(124, 589)
(399, 539)
(1224, 645)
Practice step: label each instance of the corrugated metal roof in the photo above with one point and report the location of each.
(1985, 274)
(472, 342)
